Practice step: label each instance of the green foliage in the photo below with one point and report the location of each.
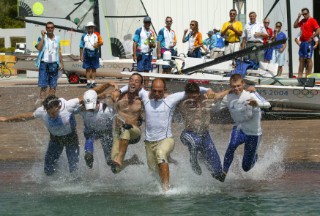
(8, 12)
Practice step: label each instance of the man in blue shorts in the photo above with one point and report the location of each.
(89, 53)
(49, 61)
(143, 45)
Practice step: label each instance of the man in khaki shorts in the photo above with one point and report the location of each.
(159, 142)
(128, 121)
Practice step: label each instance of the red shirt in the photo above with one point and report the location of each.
(270, 34)
(308, 26)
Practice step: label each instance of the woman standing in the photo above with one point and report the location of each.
(195, 40)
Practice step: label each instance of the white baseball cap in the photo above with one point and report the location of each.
(90, 99)
(90, 24)
(216, 28)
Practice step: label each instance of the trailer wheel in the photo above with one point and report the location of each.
(73, 78)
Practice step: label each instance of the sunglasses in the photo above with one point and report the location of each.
(305, 14)
(278, 26)
(168, 21)
(147, 22)
(192, 24)
(232, 13)
(50, 27)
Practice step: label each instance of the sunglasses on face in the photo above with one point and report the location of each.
(305, 14)
(147, 22)
(278, 26)
(232, 13)
(168, 21)
(191, 24)
(50, 27)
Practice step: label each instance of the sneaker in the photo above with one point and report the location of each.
(88, 157)
(194, 161)
(88, 85)
(221, 177)
(93, 85)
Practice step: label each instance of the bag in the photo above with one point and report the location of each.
(91, 53)
(51, 67)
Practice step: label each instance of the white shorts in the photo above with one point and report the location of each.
(278, 57)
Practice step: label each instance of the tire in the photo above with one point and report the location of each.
(73, 78)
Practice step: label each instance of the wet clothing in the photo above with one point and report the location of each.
(98, 126)
(203, 144)
(247, 127)
(62, 134)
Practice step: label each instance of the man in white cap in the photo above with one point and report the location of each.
(89, 53)
(144, 41)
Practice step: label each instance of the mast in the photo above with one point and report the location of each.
(289, 39)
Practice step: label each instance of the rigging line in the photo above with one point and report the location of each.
(274, 4)
(79, 4)
(135, 16)
(145, 10)
(84, 16)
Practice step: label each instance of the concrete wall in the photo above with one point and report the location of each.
(8, 33)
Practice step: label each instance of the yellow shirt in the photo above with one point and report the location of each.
(230, 35)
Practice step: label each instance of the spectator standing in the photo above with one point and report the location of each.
(89, 53)
(232, 31)
(309, 30)
(194, 38)
(268, 52)
(278, 54)
(253, 35)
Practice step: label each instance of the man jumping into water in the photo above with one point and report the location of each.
(245, 111)
(196, 110)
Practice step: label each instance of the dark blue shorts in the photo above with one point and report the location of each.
(306, 49)
(48, 75)
(90, 63)
(144, 62)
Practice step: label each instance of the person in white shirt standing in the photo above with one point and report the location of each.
(253, 35)
(245, 111)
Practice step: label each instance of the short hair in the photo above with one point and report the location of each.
(192, 87)
(49, 23)
(233, 10)
(279, 23)
(50, 102)
(163, 81)
(303, 9)
(252, 12)
(235, 78)
(168, 17)
(137, 74)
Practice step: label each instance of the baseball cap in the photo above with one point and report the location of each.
(147, 19)
(90, 99)
(210, 32)
(216, 28)
(90, 24)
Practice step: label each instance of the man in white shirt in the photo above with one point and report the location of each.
(253, 35)
(245, 111)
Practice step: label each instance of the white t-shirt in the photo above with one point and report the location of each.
(251, 29)
(246, 117)
(65, 123)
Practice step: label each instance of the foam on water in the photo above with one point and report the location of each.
(137, 179)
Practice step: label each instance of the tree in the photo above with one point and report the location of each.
(8, 13)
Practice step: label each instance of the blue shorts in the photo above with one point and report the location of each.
(48, 75)
(306, 49)
(144, 62)
(195, 54)
(90, 63)
(268, 54)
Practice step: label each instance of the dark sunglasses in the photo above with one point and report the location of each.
(50, 27)
(147, 22)
(232, 13)
(168, 21)
(192, 24)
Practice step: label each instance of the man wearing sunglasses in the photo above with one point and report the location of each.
(309, 30)
(166, 41)
(232, 31)
(49, 61)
